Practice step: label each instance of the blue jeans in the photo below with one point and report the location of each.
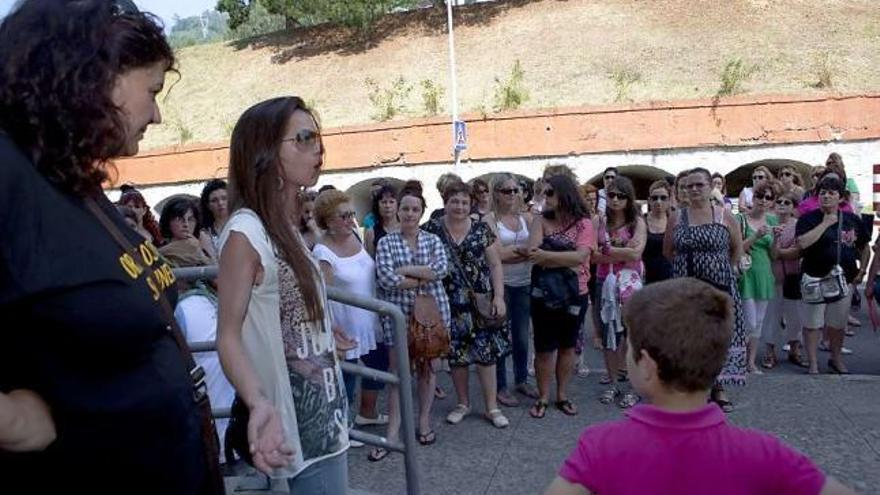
(518, 313)
(327, 477)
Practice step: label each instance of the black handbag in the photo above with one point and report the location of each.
(235, 444)
(558, 287)
(791, 285)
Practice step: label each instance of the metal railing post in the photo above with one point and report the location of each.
(403, 380)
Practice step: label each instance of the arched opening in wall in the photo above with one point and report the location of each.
(361, 198)
(742, 176)
(641, 175)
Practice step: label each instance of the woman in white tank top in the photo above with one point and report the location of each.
(511, 227)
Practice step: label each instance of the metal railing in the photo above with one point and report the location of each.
(403, 379)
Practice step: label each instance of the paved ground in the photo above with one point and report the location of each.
(835, 420)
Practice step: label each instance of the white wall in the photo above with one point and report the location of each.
(859, 156)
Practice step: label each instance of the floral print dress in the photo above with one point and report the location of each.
(469, 268)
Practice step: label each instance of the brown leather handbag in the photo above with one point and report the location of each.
(428, 337)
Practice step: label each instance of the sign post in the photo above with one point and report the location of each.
(453, 93)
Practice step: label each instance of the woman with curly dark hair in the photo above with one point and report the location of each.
(103, 395)
(147, 226)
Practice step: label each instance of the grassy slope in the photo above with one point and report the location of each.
(568, 49)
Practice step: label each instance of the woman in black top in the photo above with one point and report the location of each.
(384, 208)
(86, 337)
(829, 237)
(657, 266)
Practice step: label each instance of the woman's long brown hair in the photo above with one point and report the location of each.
(254, 176)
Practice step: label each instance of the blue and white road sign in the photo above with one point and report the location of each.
(460, 135)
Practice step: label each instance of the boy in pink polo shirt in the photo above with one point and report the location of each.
(679, 332)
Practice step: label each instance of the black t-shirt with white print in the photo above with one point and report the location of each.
(818, 259)
(82, 326)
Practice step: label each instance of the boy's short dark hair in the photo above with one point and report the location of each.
(685, 325)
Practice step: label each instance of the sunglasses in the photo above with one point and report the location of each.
(659, 198)
(549, 193)
(617, 195)
(759, 177)
(306, 140)
(784, 202)
(508, 191)
(767, 197)
(610, 177)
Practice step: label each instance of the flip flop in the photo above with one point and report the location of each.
(566, 407)
(538, 410)
(427, 438)
(377, 454)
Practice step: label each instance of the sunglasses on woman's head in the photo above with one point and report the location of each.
(509, 191)
(617, 195)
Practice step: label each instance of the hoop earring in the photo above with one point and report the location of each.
(280, 183)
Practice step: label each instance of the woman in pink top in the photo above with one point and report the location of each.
(680, 444)
(560, 243)
(787, 272)
(621, 242)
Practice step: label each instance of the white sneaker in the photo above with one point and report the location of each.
(497, 418)
(458, 414)
(846, 351)
(381, 419)
(786, 347)
(583, 372)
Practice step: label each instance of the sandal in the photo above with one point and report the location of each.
(796, 359)
(427, 438)
(605, 380)
(622, 376)
(507, 399)
(628, 400)
(527, 390)
(539, 409)
(566, 407)
(725, 404)
(377, 454)
(837, 369)
(609, 396)
(769, 361)
(457, 414)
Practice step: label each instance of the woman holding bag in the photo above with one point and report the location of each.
(480, 335)
(832, 244)
(621, 243)
(561, 241)
(410, 262)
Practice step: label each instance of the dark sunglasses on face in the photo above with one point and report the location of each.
(759, 177)
(609, 177)
(305, 139)
(767, 197)
(508, 191)
(659, 198)
(617, 195)
(549, 193)
(784, 202)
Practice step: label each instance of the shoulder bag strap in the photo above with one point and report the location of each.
(455, 256)
(839, 232)
(214, 483)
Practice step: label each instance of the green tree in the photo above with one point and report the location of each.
(359, 15)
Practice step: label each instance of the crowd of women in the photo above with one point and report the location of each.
(96, 373)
